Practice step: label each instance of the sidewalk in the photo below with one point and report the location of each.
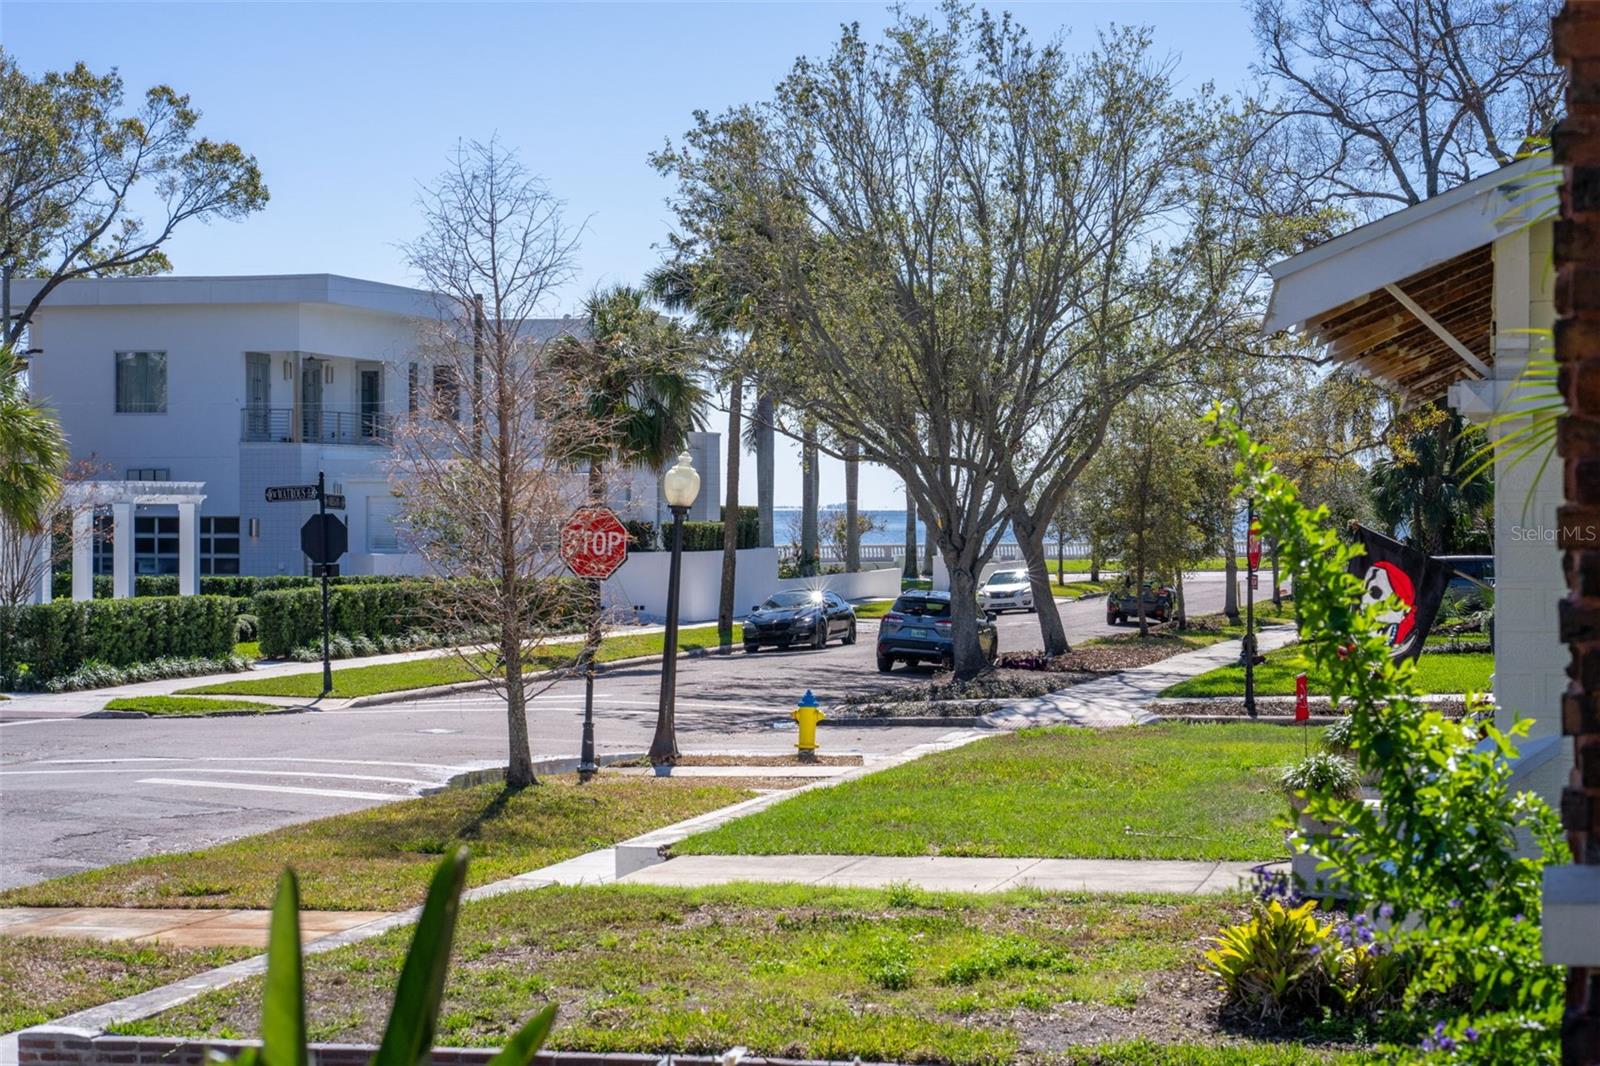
(942, 873)
(87, 701)
(1121, 698)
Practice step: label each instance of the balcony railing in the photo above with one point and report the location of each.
(314, 425)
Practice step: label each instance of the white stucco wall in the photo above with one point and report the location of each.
(641, 583)
(863, 585)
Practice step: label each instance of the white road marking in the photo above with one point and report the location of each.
(266, 758)
(334, 793)
(207, 770)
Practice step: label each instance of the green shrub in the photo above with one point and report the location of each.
(100, 675)
(1322, 774)
(707, 536)
(1440, 850)
(1287, 965)
(235, 585)
(43, 641)
(377, 612)
(642, 536)
(245, 628)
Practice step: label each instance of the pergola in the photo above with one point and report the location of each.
(84, 498)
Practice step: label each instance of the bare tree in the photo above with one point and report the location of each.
(1378, 102)
(483, 498)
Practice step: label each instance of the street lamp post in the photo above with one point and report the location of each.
(680, 485)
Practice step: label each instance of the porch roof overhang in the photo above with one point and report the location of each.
(1409, 298)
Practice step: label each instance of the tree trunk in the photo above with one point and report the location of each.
(1230, 573)
(730, 513)
(852, 507)
(766, 449)
(1277, 594)
(1030, 538)
(1094, 560)
(808, 500)
(910, 568)
(1138, 591)
(927, 550)
(1061, 557)
(964, 567)
(519, 763)
(1183, 611)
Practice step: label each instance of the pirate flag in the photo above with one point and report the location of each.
(1391, 571)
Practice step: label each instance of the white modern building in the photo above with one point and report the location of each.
(235, 384)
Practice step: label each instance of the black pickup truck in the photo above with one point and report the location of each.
(1122, 606)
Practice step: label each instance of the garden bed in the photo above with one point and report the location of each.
(895, 975)
(1444, 673)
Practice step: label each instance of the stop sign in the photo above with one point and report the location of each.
(1253, 545)
(594, 542)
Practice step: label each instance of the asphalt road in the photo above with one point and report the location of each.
(79, 793)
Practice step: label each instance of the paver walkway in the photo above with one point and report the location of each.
(1121, 698)
(177, 927)
(942, 873)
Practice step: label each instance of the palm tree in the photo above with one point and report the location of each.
(1425, 483)
(33, 451)
(635, 375)
(718, 311)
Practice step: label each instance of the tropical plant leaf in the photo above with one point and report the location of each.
(408, 1038)
(521, 1048)
(283, 1001)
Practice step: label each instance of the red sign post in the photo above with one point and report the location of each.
(1252, 545)
(594, 542)
(1302, 704)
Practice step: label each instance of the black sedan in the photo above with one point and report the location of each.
(799, 616)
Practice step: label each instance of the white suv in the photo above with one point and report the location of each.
(1006, 590)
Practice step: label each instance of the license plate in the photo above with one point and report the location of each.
(918, 633)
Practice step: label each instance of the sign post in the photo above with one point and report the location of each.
(323, 538)
(1302, 712)
(594, 542)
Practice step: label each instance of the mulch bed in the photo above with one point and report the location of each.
(1273, 706)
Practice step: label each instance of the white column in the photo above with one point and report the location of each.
(121, 550)
(83, 554)
(46, 568)
(188, 549)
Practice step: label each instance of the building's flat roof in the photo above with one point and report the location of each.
(178, 290)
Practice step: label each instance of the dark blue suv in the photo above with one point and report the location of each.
(917, 629)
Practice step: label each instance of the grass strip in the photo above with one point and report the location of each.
(43, 978)
(434, 670)
(185, 705)
(894, 975)
(1445, 674)
(381, 858)
(1168, 791)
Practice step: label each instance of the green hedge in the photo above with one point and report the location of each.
(42, 641)
(292, 618)
(707, 536)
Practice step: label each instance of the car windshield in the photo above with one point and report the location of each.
(1008, 577)
(921, 605)
(781, 601)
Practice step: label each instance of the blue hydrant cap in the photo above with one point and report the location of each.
(808, 700)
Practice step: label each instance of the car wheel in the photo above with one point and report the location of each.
(885, 663)
(1033, 608)
(819, 639)
(850, 634)
(751, 649)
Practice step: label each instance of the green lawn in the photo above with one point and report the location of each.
(248, 649)
(1444, 673)
(784, 970)
(872, 608)
(161, 705)
(446, 669)
(381, 858)
(43, 978)
(1169, 791)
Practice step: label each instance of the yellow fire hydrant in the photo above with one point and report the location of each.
(808, 714)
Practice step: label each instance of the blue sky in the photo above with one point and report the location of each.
(348, 106)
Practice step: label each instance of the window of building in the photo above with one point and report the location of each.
(141, 383)
(383, 515)
(155, 544)
(446, 393)
(411, 388)
(219, 544)
(149, 473)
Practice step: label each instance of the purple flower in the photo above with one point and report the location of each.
(1386, 912)
(1471, 1034)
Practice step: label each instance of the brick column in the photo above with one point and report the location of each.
(1577, 255)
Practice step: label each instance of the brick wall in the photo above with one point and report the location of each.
(1577, 255)
(48, 1046)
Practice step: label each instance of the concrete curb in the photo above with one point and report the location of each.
(214, 714)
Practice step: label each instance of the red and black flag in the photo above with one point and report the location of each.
(1391, 571)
